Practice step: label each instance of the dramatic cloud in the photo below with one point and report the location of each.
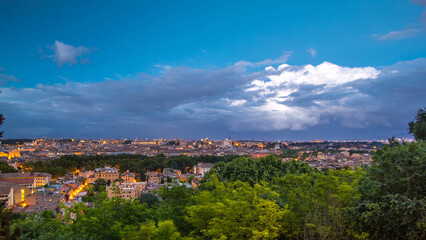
(64, 53)
(222, 102)
(4, 78)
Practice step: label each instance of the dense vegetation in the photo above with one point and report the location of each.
(134, 163)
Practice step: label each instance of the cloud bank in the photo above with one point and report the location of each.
(280, 100)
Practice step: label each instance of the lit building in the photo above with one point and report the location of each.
(107, 173)
(128, 177)
(153, 178)
(42, 201)
(125, 190)
(30, 180)
(202, 168)
(13, 193)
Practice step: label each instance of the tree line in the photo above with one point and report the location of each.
(134, 163)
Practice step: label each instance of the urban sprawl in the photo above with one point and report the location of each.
(28, 191)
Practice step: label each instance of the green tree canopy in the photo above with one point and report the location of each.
(256, 170)
(149, 198)
(236, 210)
(393, 204)
(417, 127)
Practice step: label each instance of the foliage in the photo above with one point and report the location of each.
(417, 127)
(316, 202)
(6, 217)
(43, 226)
(6, 168)
(236, 210)
(107, 218)
(99, 185)
(149, 198)
(149, 231)
(256, 170)
(134, 163)
(393, 194)
(289, 153)
(175, 200)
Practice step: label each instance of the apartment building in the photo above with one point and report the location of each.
(153, 178)
(13, 193)
(128, 177)
(202, 168)
(30, 180)
(107, 173)
(125, 190)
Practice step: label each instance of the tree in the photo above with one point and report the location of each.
(6, 168)
(236, 210)
(100, 185)
(417, 127)
(393, 204)
(6, 217)
(253, 171)
(316, 202)
(166, 230)
(107, 219)
(1, 122)
(175, 200)
(149, 199)
(43, 226)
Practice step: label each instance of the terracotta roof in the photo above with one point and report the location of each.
(5, 187)
(23, 175)
(130, 174)
(19, 180)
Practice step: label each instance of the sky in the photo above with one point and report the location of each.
(264, 70)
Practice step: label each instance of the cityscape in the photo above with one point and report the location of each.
(34, 192)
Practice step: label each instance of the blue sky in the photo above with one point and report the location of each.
(192, 69)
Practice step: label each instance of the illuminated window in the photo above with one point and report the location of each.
(22, 195)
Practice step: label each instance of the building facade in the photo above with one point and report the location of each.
(13, 193)
(30, 180)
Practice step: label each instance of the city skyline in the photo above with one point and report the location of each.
(245, 70)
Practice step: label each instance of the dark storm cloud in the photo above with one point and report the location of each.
(188, 103)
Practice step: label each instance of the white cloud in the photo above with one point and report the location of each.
(326, 73)
(272, 97)
(409, 31)
(238, 102)
(4, 78)
(312, 51)
(65, 53)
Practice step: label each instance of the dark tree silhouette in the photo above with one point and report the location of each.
(417, 127)
(1, 121)
(6, 217)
